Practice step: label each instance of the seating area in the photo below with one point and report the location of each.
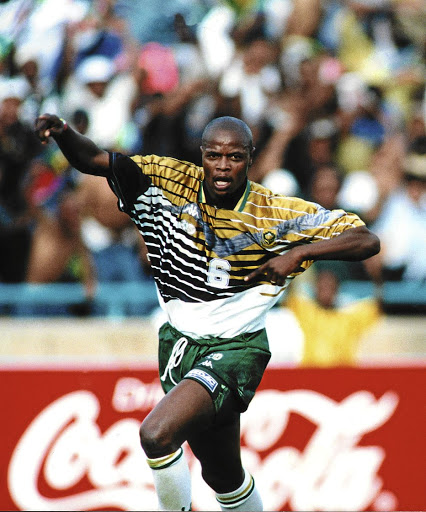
(118, 300)
(113, 300)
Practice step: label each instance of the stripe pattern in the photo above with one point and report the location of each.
(199, 253)
(166, 461)
(234, 499)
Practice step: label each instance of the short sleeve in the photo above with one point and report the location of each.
(126, 180)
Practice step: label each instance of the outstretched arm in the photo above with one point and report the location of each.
(354, 244)
(80, 151)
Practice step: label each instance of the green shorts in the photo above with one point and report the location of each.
(226, 367)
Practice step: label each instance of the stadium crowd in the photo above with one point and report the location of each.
(333, 91)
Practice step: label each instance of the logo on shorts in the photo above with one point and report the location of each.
(268, 237)
(175, 359)
(217, 356)
(203, 377)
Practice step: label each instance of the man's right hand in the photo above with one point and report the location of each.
(47, 125)
(81, 152)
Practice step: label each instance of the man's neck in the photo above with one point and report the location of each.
(227, 202)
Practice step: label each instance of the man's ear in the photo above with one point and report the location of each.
(251, 156)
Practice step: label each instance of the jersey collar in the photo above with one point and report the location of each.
(239, 207)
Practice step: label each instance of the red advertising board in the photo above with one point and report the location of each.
(314, 439)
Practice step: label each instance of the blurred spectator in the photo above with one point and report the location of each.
(325, 186)
(96, 35)
(250, 80)
(401, 224)
(286, 120)
(304, 113)
(110, 237)
(153, 21)
(99, 32)
(58, 253)
(117, 252)
(95, 88)
(365, 190)
(281, 181)
(27, 62)
(296, 146)
(160, 69)
(187, 52)
(28, 25)
(197, 90)
(107, 232)
(332, 331)
(228, 23)
(363, 122)
(149, 94)
(173, 96)
(18, 145)
(320, 141)
(373, 39)
(359, 194)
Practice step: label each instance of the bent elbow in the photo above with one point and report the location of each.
(373, 246)
(377, 246)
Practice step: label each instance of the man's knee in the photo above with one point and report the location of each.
(156, 438)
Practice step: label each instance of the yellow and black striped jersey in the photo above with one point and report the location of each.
(200, 254)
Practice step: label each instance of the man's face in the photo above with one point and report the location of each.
(226, 158)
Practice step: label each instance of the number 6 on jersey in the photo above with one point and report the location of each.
(218, 275)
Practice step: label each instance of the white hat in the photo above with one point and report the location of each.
(322, 128)
(25, 53)
(281, 181)
(359, 192)
(16, 87)
(95, 69)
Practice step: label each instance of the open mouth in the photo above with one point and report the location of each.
(222, 183)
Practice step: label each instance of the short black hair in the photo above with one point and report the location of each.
(228, 123)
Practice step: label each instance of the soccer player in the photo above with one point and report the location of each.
(222, 250)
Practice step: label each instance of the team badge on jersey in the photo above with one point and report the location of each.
(269, 237)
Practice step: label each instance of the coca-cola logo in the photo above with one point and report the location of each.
(64, 446)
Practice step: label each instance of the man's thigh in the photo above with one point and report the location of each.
(183, 412)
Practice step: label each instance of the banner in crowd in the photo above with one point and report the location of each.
(314, 439)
